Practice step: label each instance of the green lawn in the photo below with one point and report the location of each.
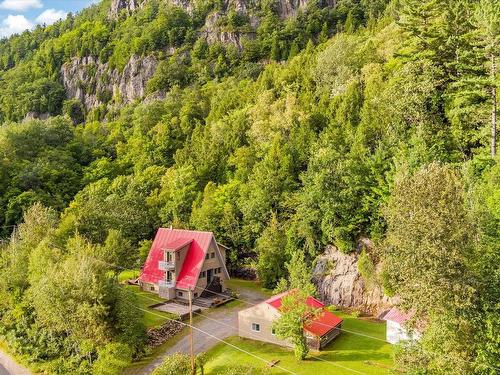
(238, 284)
(128, 274)
(347, 354)
(152, 318)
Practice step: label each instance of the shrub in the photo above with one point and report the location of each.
(245, 370)
(74, 109)
(175, 364)
(366, 267)
(113, 358)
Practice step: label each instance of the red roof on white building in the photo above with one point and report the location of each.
(324, 323)
(394, 315)
(174, 240)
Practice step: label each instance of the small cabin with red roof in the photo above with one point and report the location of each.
(397, 329)
(256, 323)
(181, 261)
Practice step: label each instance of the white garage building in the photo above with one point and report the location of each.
(396, 330)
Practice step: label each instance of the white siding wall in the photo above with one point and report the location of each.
(264, 315)
(396, 333)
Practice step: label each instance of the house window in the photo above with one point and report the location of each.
(216, 271)
(169, 257)
(273, 331)
(180, 294)
(203, 274)
(207, 256)
(220, 270)
(255, 327)
(212, 255)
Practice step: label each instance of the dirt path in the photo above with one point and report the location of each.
(221, 323)
(9, 367)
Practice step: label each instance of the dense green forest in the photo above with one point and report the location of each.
(368, 119)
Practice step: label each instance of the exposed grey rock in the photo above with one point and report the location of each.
(213, 33)
(36, 116)
(290, 8)
(130, 6)
(91, 81)
(238, 5)
(339, 283)
(187, 5)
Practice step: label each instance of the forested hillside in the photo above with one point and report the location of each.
(283, 126)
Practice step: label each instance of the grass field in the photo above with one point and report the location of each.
(348, 354)
(238, 284)
(152, 318)
(128, 274)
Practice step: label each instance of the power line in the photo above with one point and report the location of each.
(352, 332)
(254, 304)
(216, 338)
(320, 323)
(230, 326)
(196, 328)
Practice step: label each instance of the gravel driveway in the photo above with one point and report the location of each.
(219, 322)
(9, 367)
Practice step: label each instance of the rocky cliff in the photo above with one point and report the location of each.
(94, 83)
(129, 6)
(284, 8)
(339, 283)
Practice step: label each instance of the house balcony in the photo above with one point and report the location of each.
(166, 266)
(166, 283)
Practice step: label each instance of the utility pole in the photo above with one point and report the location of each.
(494, 108)
(191, 331)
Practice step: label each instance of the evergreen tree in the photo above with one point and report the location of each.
(487, 22)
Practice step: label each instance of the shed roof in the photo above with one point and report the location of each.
(324, 323)
(394, 315)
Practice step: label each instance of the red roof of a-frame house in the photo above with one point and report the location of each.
(319, 326)
(174, 240)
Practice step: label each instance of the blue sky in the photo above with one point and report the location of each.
(19, 15)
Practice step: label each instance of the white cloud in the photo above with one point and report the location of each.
(13, 25)
(20, 5)
(49, 16)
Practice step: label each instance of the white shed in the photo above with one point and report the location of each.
(396, 330)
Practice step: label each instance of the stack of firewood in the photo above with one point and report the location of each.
(157, 336)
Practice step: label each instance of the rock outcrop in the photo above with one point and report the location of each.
(339, 283)
(285, 8)
(36, 116)
(213, 33)
(94, 83)
(117, 6)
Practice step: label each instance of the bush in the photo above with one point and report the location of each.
(245, 370)
(113, 358)
(74, 109)
(175, 364)
(366, 267)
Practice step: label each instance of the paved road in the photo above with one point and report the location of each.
(9, 367)
(221, 323)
